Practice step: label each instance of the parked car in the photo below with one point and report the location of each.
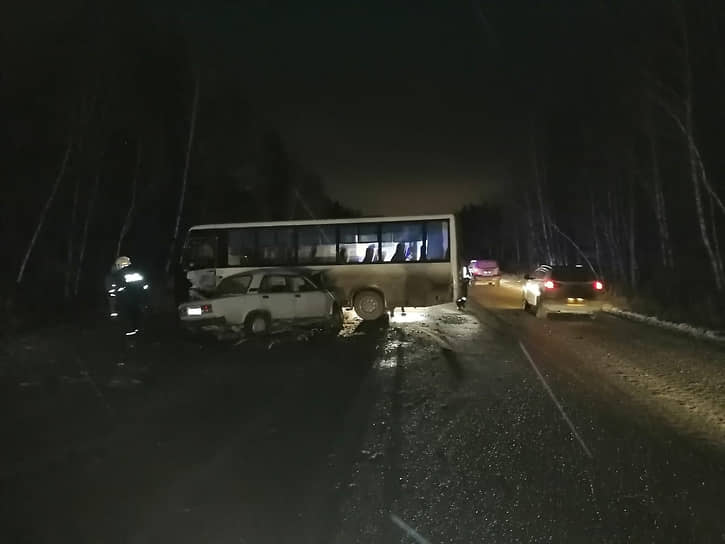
(254, 302)
(485, 271)
(562, 289)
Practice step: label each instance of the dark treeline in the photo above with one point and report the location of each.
(620, 140)
(110, 113)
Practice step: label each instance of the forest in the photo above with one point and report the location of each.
(120, 132)
(619, 160)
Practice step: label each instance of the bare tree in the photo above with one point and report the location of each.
(631, 238)
(185, 175)
(698, 173)
(660, 206)
(536, 164)
(84, 236)
(71, 238)
(128, 220)
(44, 211)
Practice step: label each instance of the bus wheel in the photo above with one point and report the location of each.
(369, 305)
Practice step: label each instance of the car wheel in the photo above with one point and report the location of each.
(541, 312)
(526, 305)
(257, 324)
(369, 305)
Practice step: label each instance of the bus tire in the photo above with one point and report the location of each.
(257, 324)
(369, 305)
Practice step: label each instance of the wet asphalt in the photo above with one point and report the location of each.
(438, 426)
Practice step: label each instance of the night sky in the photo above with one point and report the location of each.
(395, 104)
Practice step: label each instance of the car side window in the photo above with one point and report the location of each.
(300, 284)
(234, 285)
(274, 284)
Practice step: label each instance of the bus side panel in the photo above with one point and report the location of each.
(409, 284)
(454, 231)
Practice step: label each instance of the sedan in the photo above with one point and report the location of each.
(562, 289)
(256, 301)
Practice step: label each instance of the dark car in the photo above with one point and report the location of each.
(562, 289)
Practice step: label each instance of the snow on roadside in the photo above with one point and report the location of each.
(697, 332)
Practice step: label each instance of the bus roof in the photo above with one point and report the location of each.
(322, 222)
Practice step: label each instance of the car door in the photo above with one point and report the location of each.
(311, 302)
(231, 300)
(276, 297)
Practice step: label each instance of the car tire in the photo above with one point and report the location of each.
(369, 305)
(257, 324)
(541, 312)
(527, 306)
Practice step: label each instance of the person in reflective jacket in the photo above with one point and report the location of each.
(465, 280)
(128, 294)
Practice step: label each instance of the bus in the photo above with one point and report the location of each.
(371, 264)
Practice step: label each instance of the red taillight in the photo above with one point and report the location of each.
(549, 284)
(598, 285)
(206, 308)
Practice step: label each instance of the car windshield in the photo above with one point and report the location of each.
(572, 273)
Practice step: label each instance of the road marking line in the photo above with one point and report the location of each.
(556, 401)
(412, 533)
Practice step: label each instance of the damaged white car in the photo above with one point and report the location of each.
(258, 301)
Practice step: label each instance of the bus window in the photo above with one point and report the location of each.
(276, 246)
(316, 245)
(200, 252)
(437, 241)
(402, 242)
(241, 247)
(359, 243)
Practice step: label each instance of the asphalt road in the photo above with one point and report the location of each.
(441, 426)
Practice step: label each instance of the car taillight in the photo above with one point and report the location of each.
(598, 285)
(206, 308)
(548, 284)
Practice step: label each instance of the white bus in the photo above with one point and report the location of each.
(372, 264)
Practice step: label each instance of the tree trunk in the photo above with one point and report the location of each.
(84, 237)
(595, 232)
(71, 236)
(44, 211)
(660, 206)
(540, 197)
(632, 246)
(613, 240)
(576, 248)
(697, 172)
(532, 248)
(126, 226)
(185, 175)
